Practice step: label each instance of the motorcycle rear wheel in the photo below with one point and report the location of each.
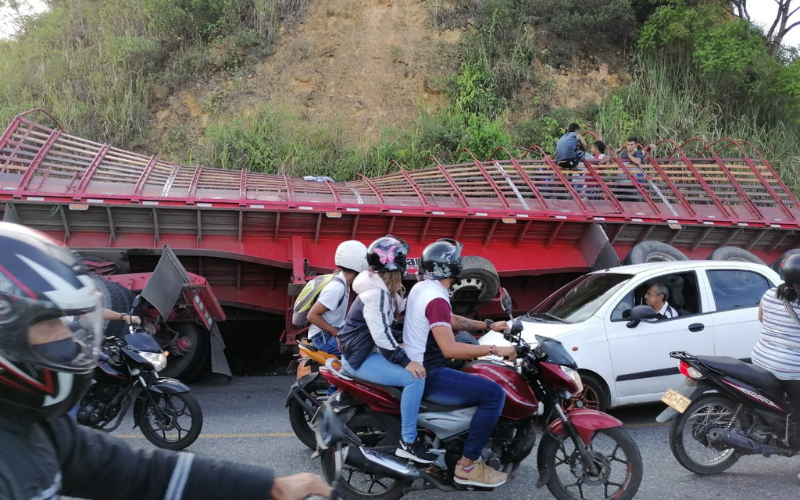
(710, 410)
(171, 433)
(620, 482)
(356, 484)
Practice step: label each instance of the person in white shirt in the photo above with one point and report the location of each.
(656, 297)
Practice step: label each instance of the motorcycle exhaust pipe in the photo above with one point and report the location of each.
(740, 443)
(378, 463)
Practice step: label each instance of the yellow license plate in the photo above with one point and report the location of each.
(676, 400)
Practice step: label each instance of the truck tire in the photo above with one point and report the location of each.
(192, 365)
(776, 266)
(478, 283)
(653, 251)
(735, 254)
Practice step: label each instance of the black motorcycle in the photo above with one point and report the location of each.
(725, 409)
(127, 372)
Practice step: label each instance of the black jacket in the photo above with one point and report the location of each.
(45, 460)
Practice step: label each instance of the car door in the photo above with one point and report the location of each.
(640, 355)
(736, 294)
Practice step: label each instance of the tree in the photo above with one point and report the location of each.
(780, 26)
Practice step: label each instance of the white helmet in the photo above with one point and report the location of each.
(352, 255)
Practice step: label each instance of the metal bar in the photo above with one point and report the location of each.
(355, 227)
(289, 189)
(459, 228)
(425, 229)
(374, 189)
(731, 235)
(453, 185)
(196, 180)
(111, 227)
(414, 186)
(775, 176)
(567, 184)
(319, 225)
(143, 178)
(523, 231)
(239, 272)
(65, 222)
(170, 180)
(636, 185)
(528, 182)
(87, 177)
(647, 230)
(742, 195)
(241, 225)
(766, 184)
(699, 241)
(609, 195)
(392, 220)
(674, 236)
(754, 240)
(489, 179)
(672, 186)
(778, 241)
(37, 160)
(277, 226)
(199, 229)
(243, 187)
(155, 227)
(554, 234)
(704, 184)
(8, 134)
(490, 233)
(298, 262)
(335, 195)
(617, 231)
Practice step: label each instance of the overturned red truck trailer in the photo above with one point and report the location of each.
(246, 236)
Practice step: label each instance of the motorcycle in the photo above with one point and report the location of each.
(311, 389)
(127, 372)
(583, 453)
(725, 409)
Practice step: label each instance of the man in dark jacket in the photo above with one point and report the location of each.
(47, 364)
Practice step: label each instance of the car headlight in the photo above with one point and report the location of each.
(575, 377)
(157, 359)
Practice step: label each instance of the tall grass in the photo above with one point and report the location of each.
(666, 100)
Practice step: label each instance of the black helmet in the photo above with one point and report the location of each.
(790, 270)
(441, 259)
(50, 326)
(388, 254)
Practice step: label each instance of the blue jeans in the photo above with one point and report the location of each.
(379, 370)
(327, 343)
(450, 387)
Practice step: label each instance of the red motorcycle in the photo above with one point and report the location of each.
(583, 453)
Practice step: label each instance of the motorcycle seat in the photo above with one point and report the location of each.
(424, 407)
(745, 372)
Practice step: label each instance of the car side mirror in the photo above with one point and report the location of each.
(640, 313)
(505, 300)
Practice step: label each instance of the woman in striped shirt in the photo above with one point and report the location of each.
(778, 349)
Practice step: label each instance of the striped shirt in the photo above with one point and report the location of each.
(667, 311)
(778, 349)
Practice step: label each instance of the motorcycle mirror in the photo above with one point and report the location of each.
(136, 306)
(505, 300)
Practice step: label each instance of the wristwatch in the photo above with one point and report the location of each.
(488, 323)
(493, 350)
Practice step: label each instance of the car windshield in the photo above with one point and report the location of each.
(579, 300)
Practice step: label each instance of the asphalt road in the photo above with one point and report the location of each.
(246, 421)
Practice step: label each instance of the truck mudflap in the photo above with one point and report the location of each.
(163, 290)
(690, 389)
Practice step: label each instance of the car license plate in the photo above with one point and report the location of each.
(676, 400)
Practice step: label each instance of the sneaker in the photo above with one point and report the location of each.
(415, 451)
(479, 474)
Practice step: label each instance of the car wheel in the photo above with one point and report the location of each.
(735, 254)
(594, 395)
(653, 251)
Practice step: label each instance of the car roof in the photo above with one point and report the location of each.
(685, 265)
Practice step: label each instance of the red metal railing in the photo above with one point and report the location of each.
(40, 164)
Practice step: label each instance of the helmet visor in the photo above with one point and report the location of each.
(66, 340)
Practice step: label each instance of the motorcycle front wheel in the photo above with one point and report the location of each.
(179, 425)
(618, 471)
(687, 436)
(300, 420)
(357, 484)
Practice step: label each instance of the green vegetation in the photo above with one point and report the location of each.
(698, 69)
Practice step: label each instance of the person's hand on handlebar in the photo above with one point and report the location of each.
(499, 326)
(299, 486)
(509, 352)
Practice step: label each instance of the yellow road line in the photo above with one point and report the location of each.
(218, 436)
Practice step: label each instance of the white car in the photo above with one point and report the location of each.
(623, 363)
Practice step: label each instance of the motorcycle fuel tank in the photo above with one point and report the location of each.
(520, 400)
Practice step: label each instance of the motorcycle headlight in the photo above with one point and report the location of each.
(575, 377)
(157, 359)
